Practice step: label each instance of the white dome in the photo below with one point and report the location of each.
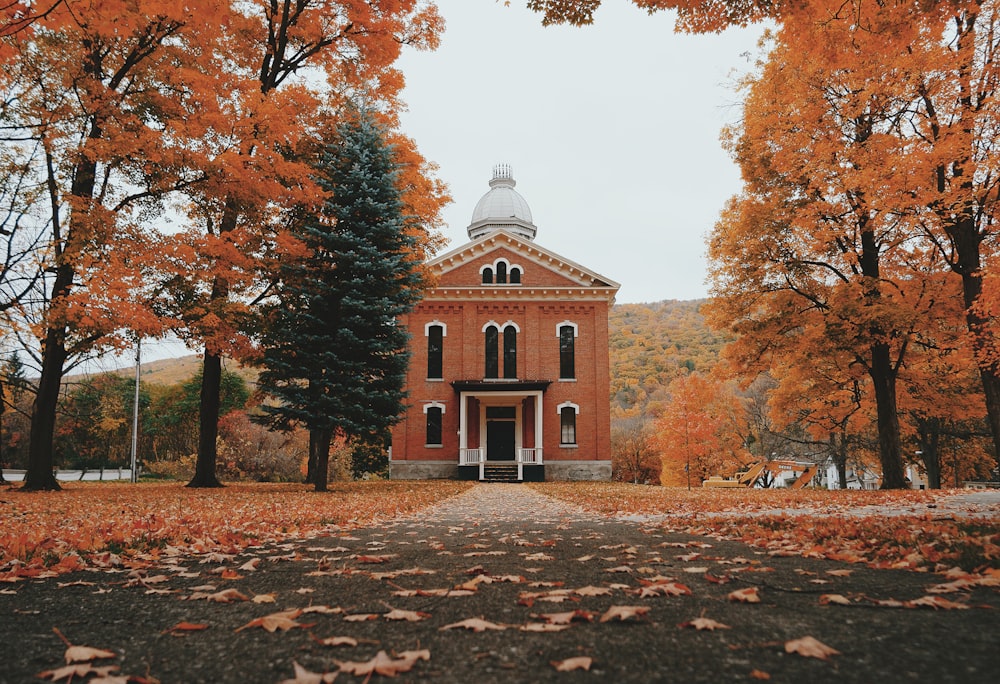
(502, 207)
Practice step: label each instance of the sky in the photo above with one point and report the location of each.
(612, 131)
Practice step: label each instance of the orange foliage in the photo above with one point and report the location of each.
(90, 525)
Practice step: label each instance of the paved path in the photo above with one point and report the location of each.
(516, 559)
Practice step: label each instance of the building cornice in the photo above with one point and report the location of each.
(518, 293)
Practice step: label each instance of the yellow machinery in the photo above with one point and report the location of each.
(749, 477)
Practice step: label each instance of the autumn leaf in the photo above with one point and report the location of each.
(810, 647)
(227, 596)
(936, 602)
(407, 615)
(304, 676)
(592, 591)
(283, 621)
(337, 641)
(748, 595)
(80, 654)
(264, 598)
(542, 627)
(383, 664)
(186, 627)
(826, 599)
(759, 674)
(570, 664)
(474, 624)
(360, 617)
(69, 672)
(567, 617)
(702, 623)
(624, 613)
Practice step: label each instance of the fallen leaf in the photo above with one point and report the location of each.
(623, 613)
(407, 615)
(227, 595)
(701, 623)
(337, 641)
(843, 572)
(759, 674)
(273, 623)
(304, 676)
(570, 664)
(475, 624)
(748, 595)
(264, 598)
(383, 664)
(69, 672)
(810, 648)
(839, 599)
(936, 602)
(360, 617)
(542, 627)
(186, 627)
(81, 654)
(592, 591)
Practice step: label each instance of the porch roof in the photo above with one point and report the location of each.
(500, 385)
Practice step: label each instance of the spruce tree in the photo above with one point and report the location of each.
(334, 359)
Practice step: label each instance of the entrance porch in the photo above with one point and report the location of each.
(500, 430)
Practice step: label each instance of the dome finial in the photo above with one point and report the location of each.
(502, 208)
(503, 175)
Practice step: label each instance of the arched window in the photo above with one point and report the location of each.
(501, 272)
(487, 275)
(492, 334)
(567, 351)
(515, 275)
(510, 352)
(434, 412)
(567, 423)
(435, 351)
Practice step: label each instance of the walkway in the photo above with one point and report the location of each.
(544, 581)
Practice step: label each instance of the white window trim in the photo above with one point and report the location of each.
(492, 323)
(511, 324)
(576, 328)
(435, 404)
(568, 404)
(431, 324)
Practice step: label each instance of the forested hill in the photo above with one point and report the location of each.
(651, 344)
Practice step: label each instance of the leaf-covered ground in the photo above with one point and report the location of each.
(497, 584)
(87, 524)
(917, 530)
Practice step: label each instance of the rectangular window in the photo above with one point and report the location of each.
(492, 352)
(567, 352)
(434, 425)
(435, 352)
(567, 421)
(510, 353)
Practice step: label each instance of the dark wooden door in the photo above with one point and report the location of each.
(500, 440)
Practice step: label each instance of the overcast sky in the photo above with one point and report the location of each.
(612, 131)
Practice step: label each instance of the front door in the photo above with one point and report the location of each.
(500, 440)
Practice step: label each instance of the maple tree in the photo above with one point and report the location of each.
(99, 153)
(260, 176)
(692, 431)
(332, 357)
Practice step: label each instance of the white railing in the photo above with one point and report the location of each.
(533, 456)
(471, 456)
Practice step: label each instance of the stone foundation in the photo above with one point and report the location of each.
(577, 470)
(424, 470)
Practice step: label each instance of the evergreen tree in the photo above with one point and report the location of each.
(334, 358)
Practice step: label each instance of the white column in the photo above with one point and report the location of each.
(538, 420)
(463, 426)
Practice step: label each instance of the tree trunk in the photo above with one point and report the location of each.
(208, 422)
(889, 447)
(41, 458)
(929, 438)
(320, 477)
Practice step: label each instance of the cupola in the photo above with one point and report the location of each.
(502, 208)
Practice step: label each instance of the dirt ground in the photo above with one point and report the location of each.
(520, 561)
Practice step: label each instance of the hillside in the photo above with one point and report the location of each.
(651, 344)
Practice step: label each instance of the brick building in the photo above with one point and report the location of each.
(508, 375)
